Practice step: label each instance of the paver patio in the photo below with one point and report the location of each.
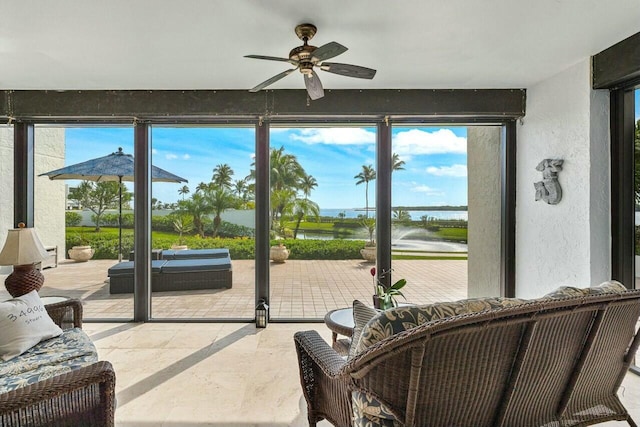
(300, 289)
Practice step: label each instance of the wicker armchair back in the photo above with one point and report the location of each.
(545, 362)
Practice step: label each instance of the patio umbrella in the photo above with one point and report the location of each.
(116, 166)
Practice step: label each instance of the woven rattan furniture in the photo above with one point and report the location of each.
(186, 274)
(82, 397)
(553, 362)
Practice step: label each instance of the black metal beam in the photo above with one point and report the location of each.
(617, 65)
(142, 222)
(622, 191)
(262, 213)
(233, 105)
(23, 174)
(508, 211)
(383, 202)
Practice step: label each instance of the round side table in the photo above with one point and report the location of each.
(340, 321)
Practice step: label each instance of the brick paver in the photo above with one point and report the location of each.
(300, 289)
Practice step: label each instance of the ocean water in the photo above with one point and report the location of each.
(415, 215)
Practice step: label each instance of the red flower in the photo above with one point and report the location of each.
(373, 271)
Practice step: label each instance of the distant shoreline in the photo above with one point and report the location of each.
(414, 208)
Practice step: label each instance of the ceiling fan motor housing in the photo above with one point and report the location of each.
(303, 55)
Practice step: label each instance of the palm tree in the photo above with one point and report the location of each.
(202, 187)
(396, 163)
(222, 175)
(365, 176)
(242, 191)
(307, 184)
(183, 191)
(198, 207)
(220, 199)
(300, 209)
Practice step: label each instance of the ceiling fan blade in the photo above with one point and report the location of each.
(272, 80)
(272, 58)
(348, 70)
(314, 86)
(327, 51)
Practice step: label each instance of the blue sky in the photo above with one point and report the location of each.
(435, 159)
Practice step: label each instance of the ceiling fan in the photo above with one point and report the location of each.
(306, 57)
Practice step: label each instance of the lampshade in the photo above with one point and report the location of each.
(23, 246)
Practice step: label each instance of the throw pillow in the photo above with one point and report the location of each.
(401, 319)
(610, 286)
(24, 322)
(361, 316)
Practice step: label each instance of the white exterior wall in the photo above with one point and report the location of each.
(6, 182)
(483, 170)
(567, 243)
(49, 195)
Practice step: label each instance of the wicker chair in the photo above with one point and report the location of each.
(543, 363)
(82, 397)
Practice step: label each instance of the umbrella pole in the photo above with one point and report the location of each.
(120, 219)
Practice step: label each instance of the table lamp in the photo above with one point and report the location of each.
(23, 249)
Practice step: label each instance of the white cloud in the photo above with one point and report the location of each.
(186, 156)
(427, 190)
(416, 141)
(335, 136)
(154, 151)
(170, 156)
(453, 170)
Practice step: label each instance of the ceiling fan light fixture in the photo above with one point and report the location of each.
(305, 57)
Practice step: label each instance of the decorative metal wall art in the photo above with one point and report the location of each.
(549, 189)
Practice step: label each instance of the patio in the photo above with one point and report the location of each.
(300, 289)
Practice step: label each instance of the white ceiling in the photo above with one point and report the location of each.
(199, 44)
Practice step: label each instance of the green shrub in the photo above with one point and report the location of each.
(637, 239)
(72, 219)
(105, 244)
(322, 249)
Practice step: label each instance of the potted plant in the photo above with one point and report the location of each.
(279, 253)
(369, 252)
(82, 251)
(183, 224)
(385, 297)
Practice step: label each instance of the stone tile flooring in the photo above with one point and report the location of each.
(300, 289)
(220, 374)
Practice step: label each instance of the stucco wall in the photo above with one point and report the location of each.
(566, 243)
(483, 170)
(49, 201)
(49, 195)
(6, 181)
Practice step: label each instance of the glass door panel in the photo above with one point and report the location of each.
(322, 208)
(203, 228)
(78, 219)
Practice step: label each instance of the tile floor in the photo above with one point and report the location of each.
(208, 374)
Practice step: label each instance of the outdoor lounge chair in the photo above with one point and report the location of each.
(175, 275)
(547, 362)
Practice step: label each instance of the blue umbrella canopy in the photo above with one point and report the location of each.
(116, 166)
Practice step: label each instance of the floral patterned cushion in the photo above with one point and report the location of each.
(361, 315)
(400, 319)
(610, 286)
(370, 412)
(71, 350)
